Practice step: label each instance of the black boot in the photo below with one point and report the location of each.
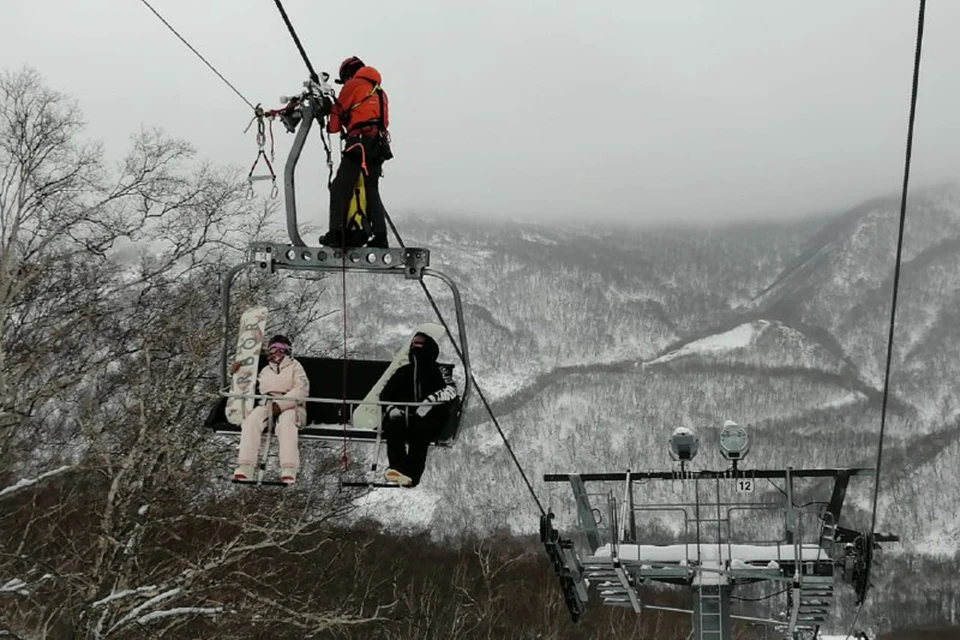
(355, 238)
(379, 241)
(332, 238)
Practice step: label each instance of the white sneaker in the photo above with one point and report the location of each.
(288, 475)
(243, 472)
(392, 475)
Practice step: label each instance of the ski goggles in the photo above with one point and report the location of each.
(279, 346)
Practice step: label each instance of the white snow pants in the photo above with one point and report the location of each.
(286, 428)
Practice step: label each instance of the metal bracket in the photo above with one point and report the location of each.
(567, 566)
(587, 521)
(862, 561)
(794, 600)
(625, 583)
(270, 256)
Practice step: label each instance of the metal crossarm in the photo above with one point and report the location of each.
(271, 256)
(707, 475)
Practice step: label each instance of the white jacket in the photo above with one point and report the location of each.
(286, 379)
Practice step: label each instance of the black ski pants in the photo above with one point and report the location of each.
(341, 189)
(408, 441)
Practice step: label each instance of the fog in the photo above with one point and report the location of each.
(619, 110)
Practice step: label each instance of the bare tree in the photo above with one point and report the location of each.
(110, 331)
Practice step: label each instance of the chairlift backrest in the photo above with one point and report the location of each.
(325, 421)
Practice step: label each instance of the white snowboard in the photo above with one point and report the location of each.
(367, 415)
(253, 323)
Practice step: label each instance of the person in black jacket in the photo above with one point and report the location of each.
(409, 429)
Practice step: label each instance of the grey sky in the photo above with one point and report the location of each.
(690, 109)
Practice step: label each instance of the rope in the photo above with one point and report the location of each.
(486, 404)
(853, 625)
(758, 599)
(343, 314)
(343, 272)
(296, 41)
(325, 139)
(896, 282)
(184, 41)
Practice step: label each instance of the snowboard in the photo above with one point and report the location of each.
(368, 414)
(253, 322)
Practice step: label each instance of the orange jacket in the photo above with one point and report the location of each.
(359, 104)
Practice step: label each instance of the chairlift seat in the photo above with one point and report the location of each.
(325, 421)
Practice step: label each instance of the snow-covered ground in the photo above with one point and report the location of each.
(27, 482)
(735, 338)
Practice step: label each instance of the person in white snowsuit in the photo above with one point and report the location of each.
(285, 380)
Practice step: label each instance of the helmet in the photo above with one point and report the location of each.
(348, 68)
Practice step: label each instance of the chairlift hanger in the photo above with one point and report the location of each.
(331, 393)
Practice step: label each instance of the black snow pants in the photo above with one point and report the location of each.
(408, 441)
(357, 151)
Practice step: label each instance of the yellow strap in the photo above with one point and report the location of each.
(372, 93)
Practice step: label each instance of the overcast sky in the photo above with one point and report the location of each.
(636, 110)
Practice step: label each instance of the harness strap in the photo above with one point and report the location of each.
(378, 121)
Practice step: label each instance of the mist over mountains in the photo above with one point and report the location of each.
(621, 334)
(594, 343)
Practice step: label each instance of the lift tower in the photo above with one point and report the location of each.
(714, 517)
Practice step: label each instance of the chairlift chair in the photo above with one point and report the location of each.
(334, 396)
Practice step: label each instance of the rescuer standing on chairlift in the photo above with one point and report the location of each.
(361, 116)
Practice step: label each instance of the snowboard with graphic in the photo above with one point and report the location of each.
(253, 323)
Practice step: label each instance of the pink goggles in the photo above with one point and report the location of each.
(278, 346)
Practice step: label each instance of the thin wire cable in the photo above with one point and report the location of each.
(896, 273)
(296, 41)
(853, 625)
(483, 399)
(758, 599)
(896, 287)
(190, 46)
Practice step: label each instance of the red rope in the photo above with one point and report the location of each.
(363, 156)
(272, 144)
(343, 302)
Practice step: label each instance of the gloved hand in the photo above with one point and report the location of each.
(394, 413)
(424, 410)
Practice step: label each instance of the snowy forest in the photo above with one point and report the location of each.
(117, 519)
